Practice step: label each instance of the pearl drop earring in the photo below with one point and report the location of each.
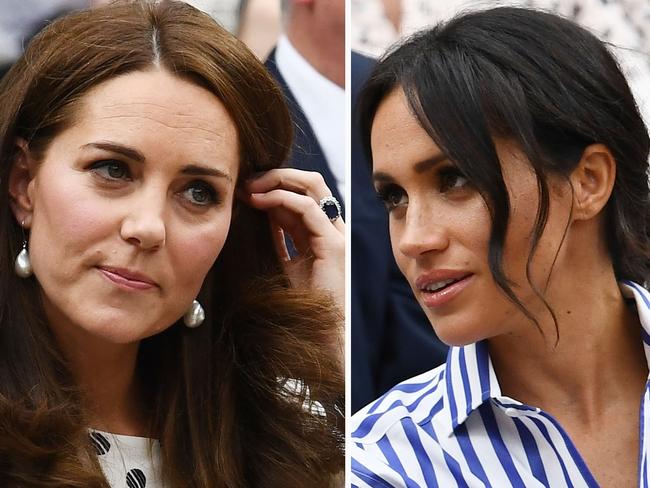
(194, 316)
(23, 265)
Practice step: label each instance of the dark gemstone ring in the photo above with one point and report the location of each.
(331, 207)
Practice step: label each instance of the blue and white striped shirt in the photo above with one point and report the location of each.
(452, 427)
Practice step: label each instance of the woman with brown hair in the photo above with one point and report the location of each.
(153, 330)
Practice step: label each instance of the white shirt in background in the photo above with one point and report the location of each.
(323, 103)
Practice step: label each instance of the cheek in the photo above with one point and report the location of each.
(469, 226)
(472, 227)
(66, 220)
(197, 248)
(395, 235)
(542, 265)
(519, 238)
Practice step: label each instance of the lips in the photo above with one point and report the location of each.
(439, 287)
(127, 278)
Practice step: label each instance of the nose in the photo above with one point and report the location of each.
(144, 225)
(420, 233)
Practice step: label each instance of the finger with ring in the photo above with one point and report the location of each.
(331, 207)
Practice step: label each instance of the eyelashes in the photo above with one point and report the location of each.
(448, 180)
(201, 193)
(198, 193)
(111, 170)
(392, 196)
(451, 178)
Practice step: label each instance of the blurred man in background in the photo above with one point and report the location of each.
(309, 64)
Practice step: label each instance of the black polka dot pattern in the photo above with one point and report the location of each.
(135, 478)
(128, 461)
(102, 446)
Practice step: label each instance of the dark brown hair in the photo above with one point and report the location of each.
(217, 395)
(512, 73)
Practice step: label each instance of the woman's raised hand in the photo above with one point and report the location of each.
(292, 199)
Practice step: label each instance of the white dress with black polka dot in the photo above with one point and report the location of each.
(127, 461)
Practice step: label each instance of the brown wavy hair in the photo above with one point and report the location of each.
(216, 395)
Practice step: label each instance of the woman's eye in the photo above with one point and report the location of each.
(200, 193)
(451, 179)
(392, 197)
(111, 170)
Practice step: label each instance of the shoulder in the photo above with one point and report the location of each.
(400, 424)
(361, 66)
(272, 67)
(416, 401)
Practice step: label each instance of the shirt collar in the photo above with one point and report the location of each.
(470, 379)
(321, 101)
(301, 77)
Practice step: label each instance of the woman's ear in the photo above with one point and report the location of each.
(21, 183)
(593, 181)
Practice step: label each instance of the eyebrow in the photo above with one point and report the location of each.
(419, 167)
(196, 170)
(125, 151)
(135, 155)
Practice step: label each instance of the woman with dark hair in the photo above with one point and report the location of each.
(513, 162)
(153, 330)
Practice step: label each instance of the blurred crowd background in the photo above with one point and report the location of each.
(625, 24)
(256, 22)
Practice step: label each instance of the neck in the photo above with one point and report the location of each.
(113, 394)
(599, 350)
(327, 57)
(106, 375)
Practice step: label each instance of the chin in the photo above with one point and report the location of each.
(117, 328)
(453, 338)
(456, 331)
(115, 334)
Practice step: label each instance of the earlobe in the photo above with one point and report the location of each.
(21, 183)
(593, 181)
